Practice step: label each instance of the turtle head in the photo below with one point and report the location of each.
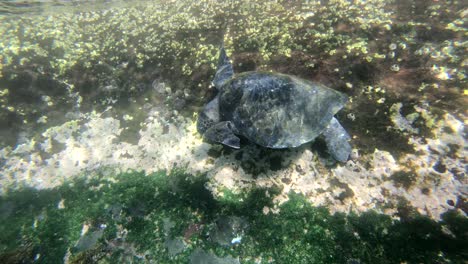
(215, 130)
(208, 116)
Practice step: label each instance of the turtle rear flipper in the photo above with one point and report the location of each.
(223, 132)
(337, 139)
(224, 71)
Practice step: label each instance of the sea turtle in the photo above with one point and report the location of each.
(272, 110)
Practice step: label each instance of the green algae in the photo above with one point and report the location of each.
(137, 213)
(404, 179)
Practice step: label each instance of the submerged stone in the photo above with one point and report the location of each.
(228, 230)
(202, 257)
(89, 240)
(175, 246)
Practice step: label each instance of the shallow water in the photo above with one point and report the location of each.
(101, 160)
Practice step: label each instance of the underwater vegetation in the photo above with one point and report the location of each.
(136, 218)
(89, 95)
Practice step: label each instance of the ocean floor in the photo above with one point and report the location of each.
(431, 180)
(100, 160)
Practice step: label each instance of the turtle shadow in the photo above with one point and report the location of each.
(260, 162)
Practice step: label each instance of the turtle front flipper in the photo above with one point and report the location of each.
(337, 139)
(224, 71)
(223, 132)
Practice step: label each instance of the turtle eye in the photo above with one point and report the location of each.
(229, 125)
